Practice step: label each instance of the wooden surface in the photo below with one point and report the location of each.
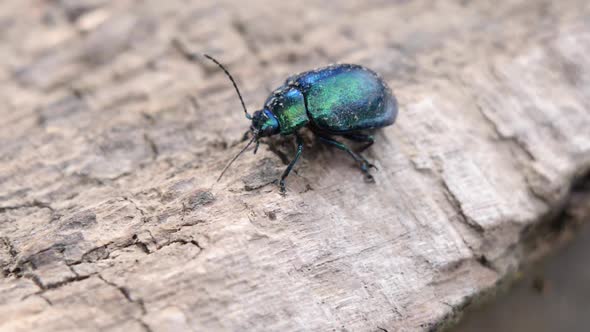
(110, 217)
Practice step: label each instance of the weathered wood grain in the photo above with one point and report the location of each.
(110, 217)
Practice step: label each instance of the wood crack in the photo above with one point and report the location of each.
(454, 201)
(514, 140)
(33, 204)
(138, 302)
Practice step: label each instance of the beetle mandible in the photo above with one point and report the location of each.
(338, 100)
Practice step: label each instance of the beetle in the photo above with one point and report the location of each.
(338, 100)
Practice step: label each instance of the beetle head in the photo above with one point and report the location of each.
(264, 123)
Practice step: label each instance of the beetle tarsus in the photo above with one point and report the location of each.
(282, 188)
(369, 165)
(365, 167)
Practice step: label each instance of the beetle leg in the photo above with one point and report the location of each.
(365, 164)
(245, 136)
(299, 140)
(362, 138)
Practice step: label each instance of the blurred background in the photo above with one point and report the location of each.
(551, 292)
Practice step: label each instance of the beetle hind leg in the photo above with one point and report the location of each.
(361, 138)
(365, 165)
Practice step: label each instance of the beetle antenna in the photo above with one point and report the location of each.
(248, 116)
(192, 57)
(236, 157)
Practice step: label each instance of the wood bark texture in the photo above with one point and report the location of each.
(111, 142)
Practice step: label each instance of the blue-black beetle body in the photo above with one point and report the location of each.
(342, 100)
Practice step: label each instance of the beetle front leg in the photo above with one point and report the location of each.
(245, 136)
(299, 140)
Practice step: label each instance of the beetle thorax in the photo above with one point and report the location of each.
(264, 123)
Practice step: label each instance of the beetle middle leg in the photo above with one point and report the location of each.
(299, 140)
(364, 163)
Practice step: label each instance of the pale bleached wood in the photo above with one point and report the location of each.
(110, 217)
